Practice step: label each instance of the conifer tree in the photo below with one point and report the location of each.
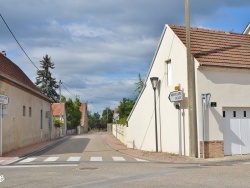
(44, 80)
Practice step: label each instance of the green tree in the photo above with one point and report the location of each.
(44, 80)
(94, 120)
(125, 108)
(107, 117)
(73, 113)
(139, 85)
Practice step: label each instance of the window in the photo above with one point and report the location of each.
(41, 120)
(224, 114)
(168, 72)
(30, 112)
(245, 114)
(234, 113)
(23, 110)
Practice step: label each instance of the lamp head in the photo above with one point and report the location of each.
(154, 81)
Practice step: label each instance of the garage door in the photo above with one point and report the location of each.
(236, 125)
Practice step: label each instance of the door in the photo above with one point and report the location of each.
(236, 125)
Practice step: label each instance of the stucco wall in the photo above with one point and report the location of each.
(141, 124)
(229, 88)
(18, 130)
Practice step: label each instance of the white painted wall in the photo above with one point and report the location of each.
(141, 123)
(229, 88)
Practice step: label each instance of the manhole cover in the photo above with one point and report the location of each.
(88, 168)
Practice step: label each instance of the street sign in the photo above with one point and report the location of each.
(4, 99)
(175, 96)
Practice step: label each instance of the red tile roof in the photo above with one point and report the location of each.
(56, 109)
(217, 48)
(12, 71)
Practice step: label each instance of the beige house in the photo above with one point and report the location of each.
(28, 113)
(59, 112)
(222, 69)
(84, 118)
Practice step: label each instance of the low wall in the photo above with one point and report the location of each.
(120, 132)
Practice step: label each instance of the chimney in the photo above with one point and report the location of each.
(4, 53)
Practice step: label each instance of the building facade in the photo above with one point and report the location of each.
(222, 65)
(27, 120)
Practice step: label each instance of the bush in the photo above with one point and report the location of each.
(57, 122)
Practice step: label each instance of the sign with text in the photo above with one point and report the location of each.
(4, 99)
(175, 96)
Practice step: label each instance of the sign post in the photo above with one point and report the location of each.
(4, 100)
(177, 96)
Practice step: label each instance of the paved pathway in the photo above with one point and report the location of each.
(115, 144)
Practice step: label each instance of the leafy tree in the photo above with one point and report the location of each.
(139, 85)
(73, 113)
(44, 80)
(107, 115)
(94, 120)
(125, 108)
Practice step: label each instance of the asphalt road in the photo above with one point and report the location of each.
(111, 172)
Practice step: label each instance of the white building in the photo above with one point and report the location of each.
(222, 68)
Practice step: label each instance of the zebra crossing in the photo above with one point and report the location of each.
(78, 159)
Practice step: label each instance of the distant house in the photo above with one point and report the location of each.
(222, 68)
(59, 112)
(84, 119)
(28, 113)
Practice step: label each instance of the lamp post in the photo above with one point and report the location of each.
(154, 81)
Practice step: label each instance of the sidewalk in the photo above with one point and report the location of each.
(15, 155)
(167, 157)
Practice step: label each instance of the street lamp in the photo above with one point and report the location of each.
(154, 81)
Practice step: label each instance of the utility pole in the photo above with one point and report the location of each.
(193, 145)
(60, 82)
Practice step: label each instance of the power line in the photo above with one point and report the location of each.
(94, 95)
(66, 89)
(18, 42)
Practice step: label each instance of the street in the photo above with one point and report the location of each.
(87, 161)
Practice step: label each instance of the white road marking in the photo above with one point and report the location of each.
(96, 159)
(38, 166)
(74, 159)
(51, 159)
(118, 159)
(141, 160)
(247, 163)
(1, 161)
(27, 160)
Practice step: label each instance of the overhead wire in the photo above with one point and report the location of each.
(18, 42)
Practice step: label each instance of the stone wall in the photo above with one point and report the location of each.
(213, 149)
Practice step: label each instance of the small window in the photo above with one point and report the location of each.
(224, 114)
(30, 112)
(23, 110)
(234, 113)
(245, 114)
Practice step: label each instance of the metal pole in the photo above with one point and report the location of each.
(156, 138)
(179, 117)
(60, 129)
(1, 129)
(203, 127)
(193, 151)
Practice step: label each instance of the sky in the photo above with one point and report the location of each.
(100, 46)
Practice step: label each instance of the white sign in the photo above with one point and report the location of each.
(175, 96)
(4, 99)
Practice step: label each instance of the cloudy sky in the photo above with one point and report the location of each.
(100, 46)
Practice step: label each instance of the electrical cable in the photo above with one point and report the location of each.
(18, 42)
